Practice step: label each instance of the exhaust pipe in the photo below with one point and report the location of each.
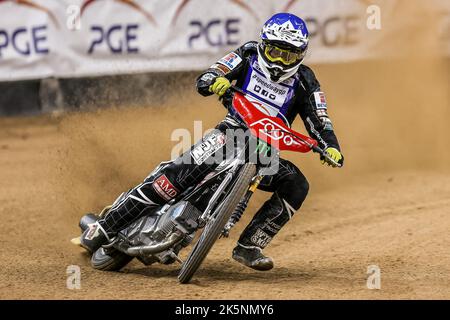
(156, 248)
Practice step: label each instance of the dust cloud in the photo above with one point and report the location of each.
(390, 115)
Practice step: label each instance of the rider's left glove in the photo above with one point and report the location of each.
(220, 86)
(334, 154)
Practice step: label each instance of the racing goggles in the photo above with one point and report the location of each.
(287, 57)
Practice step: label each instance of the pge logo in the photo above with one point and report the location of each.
(216, 32)
(27, 40)
(125, 35)
(335, 30)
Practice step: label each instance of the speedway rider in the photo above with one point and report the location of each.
(272, 75)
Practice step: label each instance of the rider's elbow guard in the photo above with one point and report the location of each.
(204, 81)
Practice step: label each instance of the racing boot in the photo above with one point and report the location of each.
(266, 223)
(94, 237)
(252, 256)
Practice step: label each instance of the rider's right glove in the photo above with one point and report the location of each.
(334, 154)
(220, 86)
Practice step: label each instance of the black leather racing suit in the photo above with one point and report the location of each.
(298, 95)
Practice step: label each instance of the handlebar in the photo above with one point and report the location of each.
(314, 148)
(326, 156)
(237, 89)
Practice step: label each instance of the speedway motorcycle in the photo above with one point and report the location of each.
(211, 207)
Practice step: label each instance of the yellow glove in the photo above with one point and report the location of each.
(334, 154)
(220, 86)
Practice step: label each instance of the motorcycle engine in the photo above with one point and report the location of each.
(182, 216)
(155, 227)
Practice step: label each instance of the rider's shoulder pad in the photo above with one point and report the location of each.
(250, 46)
(309, 77)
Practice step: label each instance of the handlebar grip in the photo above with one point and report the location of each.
(326, 156)
(318, 150)
(329, 159)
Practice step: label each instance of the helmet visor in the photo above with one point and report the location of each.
(287, 57)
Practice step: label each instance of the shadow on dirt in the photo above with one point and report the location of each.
(217, 271)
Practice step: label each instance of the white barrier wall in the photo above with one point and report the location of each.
(75, 38)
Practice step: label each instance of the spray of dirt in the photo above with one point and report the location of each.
(105, 152)
(389, 115)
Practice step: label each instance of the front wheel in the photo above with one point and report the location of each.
(214, 227)
(109, 259)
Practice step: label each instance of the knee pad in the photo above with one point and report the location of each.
(294, 190)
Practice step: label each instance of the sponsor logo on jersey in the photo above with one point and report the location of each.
(319, 98)
(322, 113)
(266, 91)
(221, 67)
(231, 60)
(208, 147)
(165, 188)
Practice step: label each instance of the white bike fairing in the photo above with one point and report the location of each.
(269, 97)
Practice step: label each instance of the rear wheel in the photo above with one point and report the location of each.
(109, 259)
(214, 227)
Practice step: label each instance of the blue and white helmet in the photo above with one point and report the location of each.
(284, 42)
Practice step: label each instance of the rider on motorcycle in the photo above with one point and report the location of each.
(273, 77)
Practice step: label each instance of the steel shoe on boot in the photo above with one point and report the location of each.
(252, 257)
(93, 237)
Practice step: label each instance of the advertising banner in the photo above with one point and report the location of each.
(77, 38)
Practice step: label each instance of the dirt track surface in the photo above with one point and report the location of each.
(393, 212)
(399, 221)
